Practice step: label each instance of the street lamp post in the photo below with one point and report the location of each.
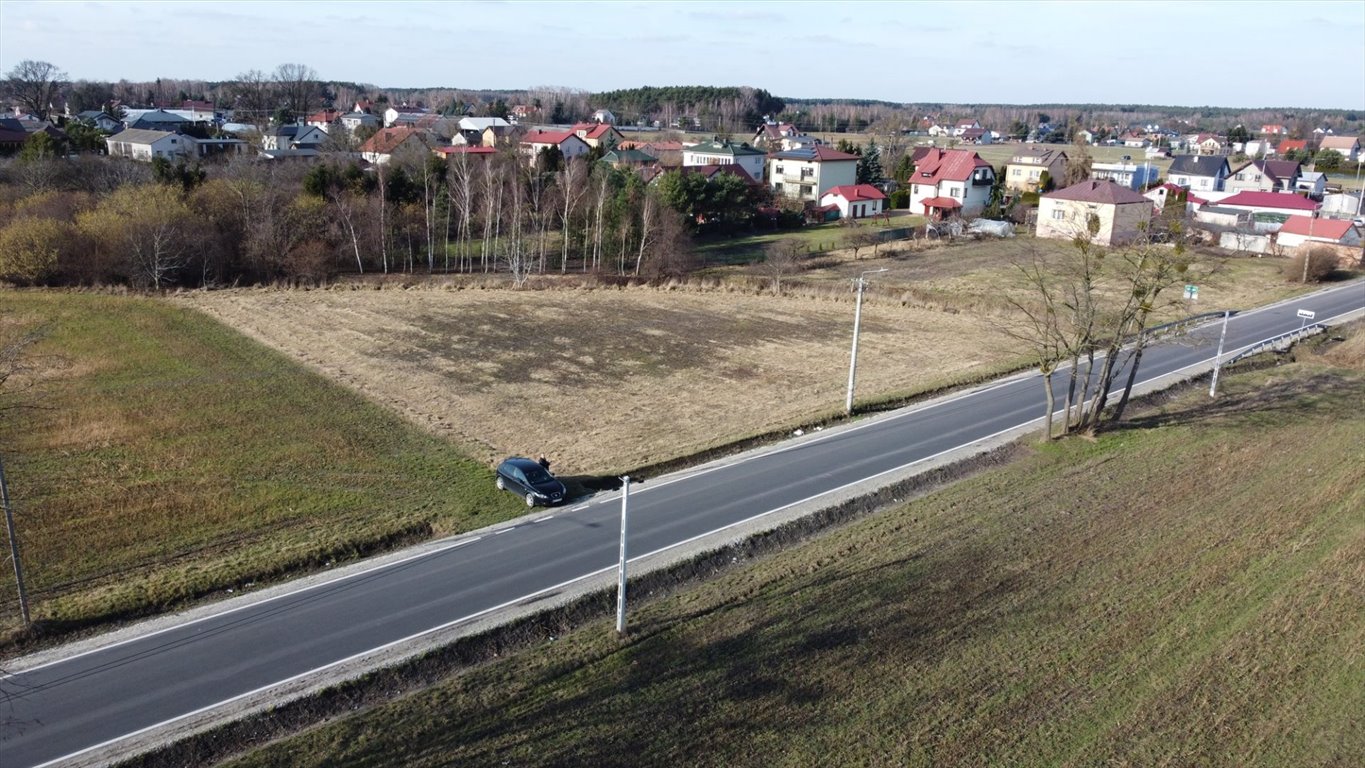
(621, 569)
(1218, 359)
(857, 321)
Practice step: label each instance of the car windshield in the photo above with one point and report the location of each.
(536, 475)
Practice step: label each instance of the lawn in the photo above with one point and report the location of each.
(1182, 591)
(167, 458)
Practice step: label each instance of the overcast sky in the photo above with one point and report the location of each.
(1237, 54)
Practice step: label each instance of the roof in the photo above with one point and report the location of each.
(940, 165)
(141, 136)
(467, 150)
(325, 116)
(1328, 229)
(1337, 142)
(629, 156)
(94, 114)
(548, 137)
(724, 148)
(481, 123)
(710, 171)
(1269, 200)
(1101, 192)
(595, 131)
(855, 192)
(1275, 169)
(1198, 165)
(386, 140)
(815, 155)
(1291, 144)
(1037, 156)
(940, 202)
(659, 146)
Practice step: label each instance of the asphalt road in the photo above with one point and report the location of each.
(65, 709)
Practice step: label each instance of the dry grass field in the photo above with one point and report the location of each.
(606, 380)
(1182, 591)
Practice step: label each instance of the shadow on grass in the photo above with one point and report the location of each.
(1320, 394)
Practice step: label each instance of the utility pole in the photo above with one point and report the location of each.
(1218, 359)
(13, 545)
(861, 282)
(621, 569)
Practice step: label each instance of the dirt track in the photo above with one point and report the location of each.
(605, 380)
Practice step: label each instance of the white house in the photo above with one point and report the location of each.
(323, 119)
(1118, 214)
(293, 137)
(409, 114)
(1348, 146)
(570, 146)
(1298, 230)
(1200, 173)
(99, 119)
(855, 201)
(1125, 173)
(948, 180)
(387, 142)
(963, 126)
(141, 144)
(725, 153)
(807, 174)
(1275, 203)
(604, 116)
(1314, 183)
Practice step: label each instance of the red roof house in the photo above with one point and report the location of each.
(855, 201)
(958, 174)
(1298, 230)
(1285, 203)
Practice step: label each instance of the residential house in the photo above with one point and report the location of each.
(770, 134)
(599, 134)
(1273, 129)
(710, 172)
(1168, 192)
(1209, 144)
(604, 116)
(498, 135)
(1199, 173)
(293, 137)
(963, 126)
(323, 119)
(567, 142)
(472, 153)
(197, 111)
(629, 158)
(725, 153)
(1277, 204)
(855, 201)
(976, 136)
(154, 120)
(668, 152)
(12, 136)
(939, 130)
(1257, 148)
(1312, 183)
(1297, 146)
(405, 114)
(1024, 172)
(354, 121)
(1264, 176)
(523, 111)
(1136, 140)
(101, 120)
(1125, 173)
(1348, 146)
(1120, 214)
(387, 142)
(950, 181)
(807, 174)
(479, 124)
(1300, 229)
(143, 144)
(1084, 136)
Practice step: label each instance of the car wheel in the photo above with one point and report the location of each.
(501, 486)
(530, 500)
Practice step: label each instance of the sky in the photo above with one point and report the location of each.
(1248, 53)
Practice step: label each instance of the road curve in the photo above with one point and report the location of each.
(75, 708)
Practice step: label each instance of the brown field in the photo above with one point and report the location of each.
(607, 380)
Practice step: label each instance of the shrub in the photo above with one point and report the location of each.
(1321, 263)
(900, 199)
(30, 248)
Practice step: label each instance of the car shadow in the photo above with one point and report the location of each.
(580, 486)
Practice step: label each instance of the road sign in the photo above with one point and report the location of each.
(1307, 314)
(1192, 292)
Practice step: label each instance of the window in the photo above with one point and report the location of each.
(1018, 172)
(778, 169)
(1058, 214)
(805, 189)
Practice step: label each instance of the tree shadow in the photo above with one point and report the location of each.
(1317, 395)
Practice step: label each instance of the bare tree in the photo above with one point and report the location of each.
(253, 98)
(35, 85)
(298, 89)
(781, 259)
(572, 180)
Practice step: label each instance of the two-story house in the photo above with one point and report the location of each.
(1103, 211)
(323, 119)
(1024, 172)
(1264, 176)
(1348, 146)
(599, 134)
(568, 143)
(725, 153)
(1199, 173)
(1125, 173)
(387, 142)
(950, 180)
(963, 126)
(807, 174)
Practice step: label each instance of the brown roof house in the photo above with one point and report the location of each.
(387, 142)
(1025, 170)
(1102, 211)
(1348, 146)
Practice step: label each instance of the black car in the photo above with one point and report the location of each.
(530, 481)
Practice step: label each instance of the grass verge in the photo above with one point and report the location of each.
(1182, 590)
(162, 457)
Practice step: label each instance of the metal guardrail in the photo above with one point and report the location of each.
(1277, 342)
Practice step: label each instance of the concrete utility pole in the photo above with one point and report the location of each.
(621, 569)
(1218, 359)
(857, 322)
(13, 545)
